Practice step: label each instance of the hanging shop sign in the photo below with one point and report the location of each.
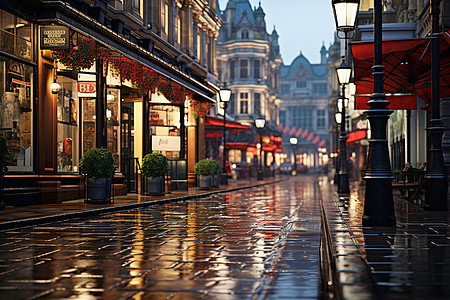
(165, 143)
(54, 37)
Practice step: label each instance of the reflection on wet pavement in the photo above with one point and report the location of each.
(254, 243)
(409, 261)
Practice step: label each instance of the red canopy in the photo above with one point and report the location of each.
(293, 130)
(299, 132)
(286, 129)
(213, 123)
(407, 71)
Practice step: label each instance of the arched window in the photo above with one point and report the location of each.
(244, 34)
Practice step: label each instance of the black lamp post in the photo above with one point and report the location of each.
(379, 204)
(343, 75)
(260, 123)
(224, 95)
(436, 179)
(293, 141)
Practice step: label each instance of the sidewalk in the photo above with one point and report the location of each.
(14, 217)
(409, 261)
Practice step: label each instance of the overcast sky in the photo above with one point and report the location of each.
(303, 25)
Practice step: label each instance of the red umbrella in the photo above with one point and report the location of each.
(407, 70)
(293, 130)
(322, 144)
(280, 127)
(305, 133)
(299, 132)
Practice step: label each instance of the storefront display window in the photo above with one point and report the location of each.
(67, 128)
(88, 124)
(112, 122)
(16, 90)
(165, 129)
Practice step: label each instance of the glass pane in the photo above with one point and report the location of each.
(67, 129)
(88, 124)
(113, 123)
(16, 112)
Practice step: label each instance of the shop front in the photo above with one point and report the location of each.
(104, 97)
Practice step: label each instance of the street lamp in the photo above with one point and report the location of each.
(436, 179)
(293, 141)
(343, 73)
(260, 123)
(379, 204)
(224, 95)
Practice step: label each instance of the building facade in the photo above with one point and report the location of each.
(131, 74)
(304, 109)
(249, 61)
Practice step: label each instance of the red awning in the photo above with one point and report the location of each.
(212, 127)
(407, 71)
(239, 146)
(356, 136)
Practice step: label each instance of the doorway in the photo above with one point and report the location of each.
(128, 166)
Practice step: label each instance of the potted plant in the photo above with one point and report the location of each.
(215, 173)
(204, 169)
(98, 165)
(5, 157)
(154, 167)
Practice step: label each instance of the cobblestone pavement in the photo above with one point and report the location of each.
(259, 243)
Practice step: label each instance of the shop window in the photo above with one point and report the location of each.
(15, 35)
(16, 90)
(165, 123)
(67, 128)
(112, 123)
(89, 141)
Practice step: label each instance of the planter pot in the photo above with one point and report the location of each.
(155, 185)
(204, 182)
(215, 180)
(99, 190)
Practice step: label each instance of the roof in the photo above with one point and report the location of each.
(301, 62)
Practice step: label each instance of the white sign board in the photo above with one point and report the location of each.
(165, 143)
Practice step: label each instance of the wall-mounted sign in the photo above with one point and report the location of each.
(165, 143)
(87, 89)
(54, 37)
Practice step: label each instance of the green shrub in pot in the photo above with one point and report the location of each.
(155, 165)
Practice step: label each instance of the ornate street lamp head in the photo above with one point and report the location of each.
(343, 73)
(345, 12)
(260, 123)
(55, 87)
(225, 95)
(293, 140)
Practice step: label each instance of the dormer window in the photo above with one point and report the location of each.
(244, 34)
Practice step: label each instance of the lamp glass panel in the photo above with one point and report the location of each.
(343, 74)
(225, 95)
(345, 15)
(338, 117)
(339, 105)
(259, 123)
(293, 141)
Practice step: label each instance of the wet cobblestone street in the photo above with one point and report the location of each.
(259, 243)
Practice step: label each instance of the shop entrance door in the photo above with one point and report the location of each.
(128, 161)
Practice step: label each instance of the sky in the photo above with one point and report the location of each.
(303, 25)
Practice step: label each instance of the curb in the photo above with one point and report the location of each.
(106, 210)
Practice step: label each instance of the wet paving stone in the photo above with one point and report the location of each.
(259, 243)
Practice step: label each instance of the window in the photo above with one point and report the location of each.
(243, 71)
(244, 34)
(302, 117)
(165, 19)
(282, 116)
(232, 104)
(137, 7)
(320, 89)
(321, 118)
(244, 103)
(16, 115)
(285, 89)
(112, 123)
(15, 35)
(257, 103)
(232, 68)
(178, 26)
(301, 84)
(199, 43)
(67, 127)
(256, 69)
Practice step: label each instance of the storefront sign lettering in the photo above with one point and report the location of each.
(54, 37)
(165, 143)
(86, 89)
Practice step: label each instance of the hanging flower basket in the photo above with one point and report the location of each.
(142, 77)
(200, 108)
(82, 56)
(173, 92)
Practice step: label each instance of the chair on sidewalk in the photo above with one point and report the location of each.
(410, 183)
